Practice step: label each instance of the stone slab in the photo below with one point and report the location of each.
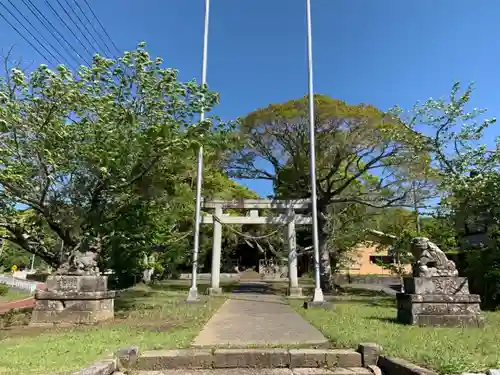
(259, 371)
(171, 359)
(391, 365)
(255, 358)
(370, 352)
(247, 358)
(450, 285)
(233, 371)
(106, 367)
(257, 320)
(324, 358)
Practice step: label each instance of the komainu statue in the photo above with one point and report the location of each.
(80, 263)
(430, 260)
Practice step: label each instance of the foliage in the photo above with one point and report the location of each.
(354, 142)
(469, 179)
(467, 169)
(4, 289)
(346, 224)
(92, 153)
(483, 271)
(440, 229)
(10, 255)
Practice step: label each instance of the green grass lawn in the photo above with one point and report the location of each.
(365, 318)
(13, 295)
(151, 317)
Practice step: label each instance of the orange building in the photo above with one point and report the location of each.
(366, 259)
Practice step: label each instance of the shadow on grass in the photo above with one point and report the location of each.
(363, 292)
(183, 287)
(366, 302)
(127, 299)
(386, 320)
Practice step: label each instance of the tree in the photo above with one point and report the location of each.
(361, 155)
(465, 167)
(88, 151)
(469, 174)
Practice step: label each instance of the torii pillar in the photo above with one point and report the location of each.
(216, 254)
(294, 291)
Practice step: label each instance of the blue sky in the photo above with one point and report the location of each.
(382, 52)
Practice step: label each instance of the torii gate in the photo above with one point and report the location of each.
(290, 219)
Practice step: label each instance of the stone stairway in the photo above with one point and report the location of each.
(368, 359)
(279, 361)
(255, 371)
(250, 275)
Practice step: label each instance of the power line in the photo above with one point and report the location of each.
(84, 24)
(69, 28)
(102, 27)
(75, 23)
(22, 36)
(93, 28)
(37, 31)
(48, 25)
(29, 32)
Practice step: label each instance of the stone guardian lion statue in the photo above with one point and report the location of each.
(430, 260)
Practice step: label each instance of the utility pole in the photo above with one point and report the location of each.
(193, 291)
(318, 292)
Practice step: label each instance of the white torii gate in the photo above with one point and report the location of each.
(290, 219)
(318, 297)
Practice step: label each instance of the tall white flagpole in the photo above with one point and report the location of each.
(193, 291)
(318, 293)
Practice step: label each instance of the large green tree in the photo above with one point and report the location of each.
(468, 169)
(88, 152)
(361, 157)
(470, 180)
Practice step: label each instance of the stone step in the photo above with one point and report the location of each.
(266, 371)
(247, 358)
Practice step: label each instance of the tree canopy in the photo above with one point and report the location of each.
(84, 150)
(362, 156)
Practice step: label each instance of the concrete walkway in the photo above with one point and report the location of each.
(257, 318)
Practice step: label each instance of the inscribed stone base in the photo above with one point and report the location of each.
(73, 299)
(449, 285)
(438, 310)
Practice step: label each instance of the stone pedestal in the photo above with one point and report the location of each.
(294, 293)
(73, 299)
(439, 301)
(214, 291)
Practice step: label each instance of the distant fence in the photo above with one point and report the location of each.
(26, 285)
